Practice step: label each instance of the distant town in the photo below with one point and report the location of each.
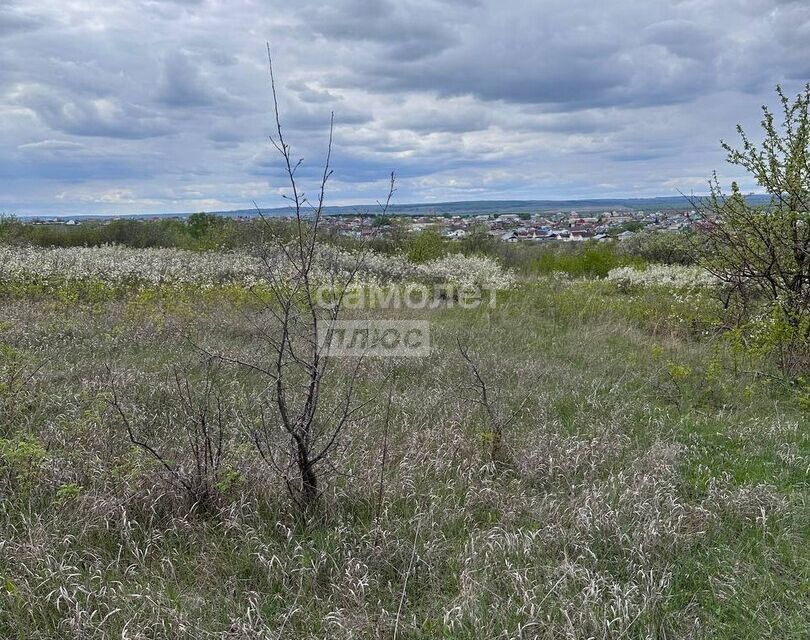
(519, 227)
(561, 226)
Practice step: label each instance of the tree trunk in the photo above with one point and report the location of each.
(309, 479)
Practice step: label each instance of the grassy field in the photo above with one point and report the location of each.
(653, 488)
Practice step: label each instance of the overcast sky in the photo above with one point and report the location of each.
(150, 105)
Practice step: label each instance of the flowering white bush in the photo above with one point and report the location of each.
(118, 265)
(121, 265)
(675, 276)
(466, 271)
(456, 269)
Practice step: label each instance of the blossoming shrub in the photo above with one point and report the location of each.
(118, 266)
(675, 276)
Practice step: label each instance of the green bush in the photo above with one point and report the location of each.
(660, 246)
(427, 245)
(201, 232)
(590, 259)
(479, 242)
(11, 229)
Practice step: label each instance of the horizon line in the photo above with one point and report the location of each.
(393, 206)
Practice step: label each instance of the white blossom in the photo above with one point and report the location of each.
(674, 276)
(117, 265)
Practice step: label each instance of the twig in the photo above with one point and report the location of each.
(405, 582)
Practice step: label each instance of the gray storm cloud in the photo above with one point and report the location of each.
(168, 100)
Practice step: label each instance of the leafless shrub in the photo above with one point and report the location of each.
(186, 427)
(489, 399)
(296, 329)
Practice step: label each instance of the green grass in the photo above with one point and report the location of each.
(652, 491)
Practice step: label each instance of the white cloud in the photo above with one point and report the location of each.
(165, 104)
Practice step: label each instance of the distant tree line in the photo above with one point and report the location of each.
(199, 232)
(206, 232)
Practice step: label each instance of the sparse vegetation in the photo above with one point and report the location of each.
(587, 455)
(651, 489)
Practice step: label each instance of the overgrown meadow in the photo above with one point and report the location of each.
(654, 483)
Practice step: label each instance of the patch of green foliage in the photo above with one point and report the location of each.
(591, 260)
(200, 231)
(425, 246)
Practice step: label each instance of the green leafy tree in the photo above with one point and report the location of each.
(199, 224)
(427, 245)
(208, 231)
(763, 252)
(478, 241)
(632, 225)
(668, 247)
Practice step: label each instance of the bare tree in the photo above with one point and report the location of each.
(763, 252)
(186, 428)
(489, 399)
(307, 297)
